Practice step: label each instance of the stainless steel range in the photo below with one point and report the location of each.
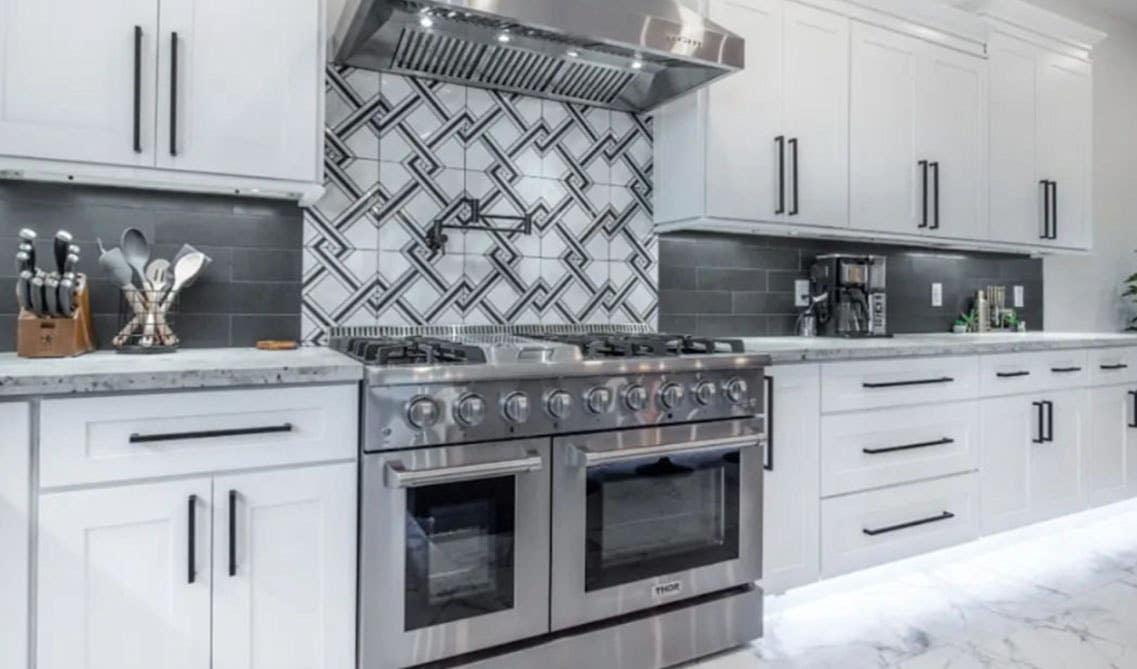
(557, 497)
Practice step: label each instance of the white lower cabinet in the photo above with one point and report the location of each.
(124, 577)
(138, 576)
(791, 510)
(875, 527)
(1109, 456)
(1030, 456)
(15, 533)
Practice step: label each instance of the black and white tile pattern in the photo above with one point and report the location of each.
(402, 152)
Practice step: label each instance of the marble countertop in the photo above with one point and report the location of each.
(107, 371)
(799, 349)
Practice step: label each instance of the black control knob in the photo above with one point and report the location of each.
(515, 407)
(559, 404)
(671, 395)
(736, 390)
(470, 410)
(705, 393)
(635, 398)
(422, 412)
(599, 400)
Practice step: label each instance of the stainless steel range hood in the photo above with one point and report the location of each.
(631, 55)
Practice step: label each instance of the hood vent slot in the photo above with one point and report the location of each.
(504, 67)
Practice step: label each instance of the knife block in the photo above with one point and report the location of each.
(57, 337)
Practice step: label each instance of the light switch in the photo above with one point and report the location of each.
(937, 294)
(801, 293)
(1020, 300)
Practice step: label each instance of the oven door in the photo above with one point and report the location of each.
(454, 552)
(648, 517)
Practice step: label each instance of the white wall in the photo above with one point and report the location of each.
(1083, 293)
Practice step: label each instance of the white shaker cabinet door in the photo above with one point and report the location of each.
(1014, 189)
(248, 87)
(114, 580)
(745, 115)
(284, 569)
(1109, 456)
(1065, 144)
(791, 492)
(15, 484)
(816, 87)
(68, 85)
(883, 163)
(1055, 481)
(1008, 427)
(952, 137)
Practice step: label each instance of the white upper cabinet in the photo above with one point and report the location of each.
(191, 94)
(77, 80)
(918, 156)
(247, 85)
(769, 143)
(1041, 145)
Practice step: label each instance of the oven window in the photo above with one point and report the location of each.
(460, 557)
(658, 516)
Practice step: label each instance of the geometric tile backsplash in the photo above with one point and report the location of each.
(402, 152)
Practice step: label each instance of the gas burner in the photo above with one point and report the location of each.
(603, 345)
(387, 351)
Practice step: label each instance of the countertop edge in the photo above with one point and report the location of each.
(918, 350)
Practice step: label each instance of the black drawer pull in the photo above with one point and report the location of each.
(1011, 375)
(232, 532)
(209, 434)
(137, 100)
(1133, 396)
(1065, 370)
(901, 384)
(769, 465)
(908, 447)
(1110, 368)
(946, 515)
(191, 544)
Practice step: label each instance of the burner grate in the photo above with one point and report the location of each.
(389, 351)
(647, 345)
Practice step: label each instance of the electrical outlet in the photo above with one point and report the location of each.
(937, 294)
(1020, 299)
(801, 293)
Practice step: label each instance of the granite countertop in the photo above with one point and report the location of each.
(799, 349)
(107, 371)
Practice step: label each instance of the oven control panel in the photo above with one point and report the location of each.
(425, 415)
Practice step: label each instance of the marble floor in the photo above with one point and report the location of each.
(1065, 597)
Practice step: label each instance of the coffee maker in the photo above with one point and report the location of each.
(849, 295)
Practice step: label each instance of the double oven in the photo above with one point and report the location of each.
(474, 546)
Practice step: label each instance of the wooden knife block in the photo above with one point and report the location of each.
(57, 337)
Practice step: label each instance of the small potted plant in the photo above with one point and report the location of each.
(965, 323)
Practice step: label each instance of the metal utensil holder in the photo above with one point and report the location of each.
(146, 321)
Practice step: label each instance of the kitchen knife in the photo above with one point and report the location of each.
(67, 296)
(51, 295)
(62, 249)
(25, 281)
(22, 290)
(29, 236)
(23, 261)
(37, 296)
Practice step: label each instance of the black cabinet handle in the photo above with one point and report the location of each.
(1133, 396)
(769, 466)
(780, 140)
(192, 543)
(908, 447)
(1049, 421)
(793, 146)
(936, 198)
(1045, 209)
(1041, 423)
(901, 384)
(924, 171)
(1065, 370)
(1110, 368)
(173, 94)
(138, 89)
(1054, 209)
(1011, 375)
(232, 532)
(946, 515)
(209, 434)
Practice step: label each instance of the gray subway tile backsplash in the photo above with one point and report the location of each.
(250, 291)
(699, 272)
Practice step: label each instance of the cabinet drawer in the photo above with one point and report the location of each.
(872, 449)
(1113, 365)
(871, 528)
(873, 384)
(95, 439)
(1016, 373)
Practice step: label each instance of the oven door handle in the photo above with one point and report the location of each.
(398, 476)
(607, 456)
